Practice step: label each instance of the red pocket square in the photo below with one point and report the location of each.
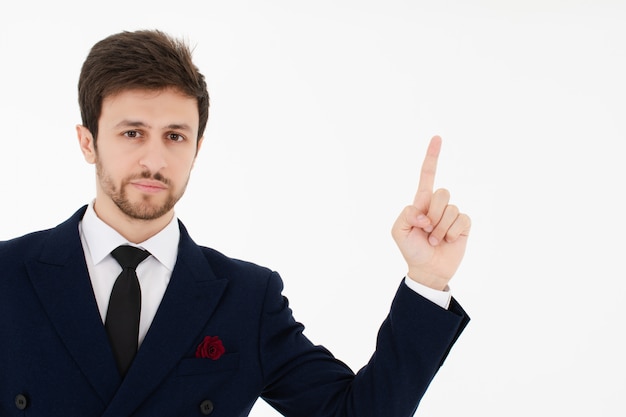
(211, 347)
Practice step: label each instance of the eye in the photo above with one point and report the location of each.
(131, 134)
(175, 137)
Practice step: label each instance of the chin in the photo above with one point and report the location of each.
(146, 211)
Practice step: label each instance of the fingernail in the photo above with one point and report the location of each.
(428, 228)
(433, 241)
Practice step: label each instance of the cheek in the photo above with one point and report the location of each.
(183, 167)
(115, 165)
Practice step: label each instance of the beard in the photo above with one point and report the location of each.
(147, 208)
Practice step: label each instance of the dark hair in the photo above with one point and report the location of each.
(144, 59)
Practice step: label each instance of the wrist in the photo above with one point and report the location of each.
(428, 280)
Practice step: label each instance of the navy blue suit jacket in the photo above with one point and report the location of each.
(55, 358)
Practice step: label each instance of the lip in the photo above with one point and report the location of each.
(149, 186)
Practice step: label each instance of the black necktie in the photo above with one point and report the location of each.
(122, 321)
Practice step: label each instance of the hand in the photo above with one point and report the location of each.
(431, 233)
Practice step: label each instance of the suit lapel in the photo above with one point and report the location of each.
(191, 297)
(61, 281)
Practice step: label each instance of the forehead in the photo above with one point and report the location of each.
(151, 107)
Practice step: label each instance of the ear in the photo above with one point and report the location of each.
(86, 143)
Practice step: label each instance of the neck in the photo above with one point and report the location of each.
(132, 229)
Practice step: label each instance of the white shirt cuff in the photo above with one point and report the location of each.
(441, 298)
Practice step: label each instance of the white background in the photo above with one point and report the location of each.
(321, 113)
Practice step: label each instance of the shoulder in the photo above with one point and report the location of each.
(254, 278)
(222, 265)
(23, 246)
(15, 255)
(233, 267)
(32, 244)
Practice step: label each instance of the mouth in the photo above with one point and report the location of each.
(148, 186)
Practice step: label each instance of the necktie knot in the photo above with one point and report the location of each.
(129, 256)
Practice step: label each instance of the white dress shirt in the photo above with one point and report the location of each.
(99, 239)
(154, 273)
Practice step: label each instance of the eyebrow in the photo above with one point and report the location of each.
(137, 123)
(131, 123)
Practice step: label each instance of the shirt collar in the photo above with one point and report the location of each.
(102, 239)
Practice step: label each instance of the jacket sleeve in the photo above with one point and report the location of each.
(302, 379)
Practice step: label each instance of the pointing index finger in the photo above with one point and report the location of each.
(427, 174)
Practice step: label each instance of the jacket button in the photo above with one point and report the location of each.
(21, 402)
(206, 407)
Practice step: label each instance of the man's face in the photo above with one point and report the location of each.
(144, 153)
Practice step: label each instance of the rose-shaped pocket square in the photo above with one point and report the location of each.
(211, 347)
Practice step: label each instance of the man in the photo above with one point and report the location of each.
(185, 330)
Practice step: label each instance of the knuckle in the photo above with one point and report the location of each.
(408, 211)
(465, 220)
(439, 232)
(443, 193)
(451, 237)
(452, 210)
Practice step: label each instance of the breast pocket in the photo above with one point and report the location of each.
(203, 366)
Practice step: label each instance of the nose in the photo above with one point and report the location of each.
(153, 157)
